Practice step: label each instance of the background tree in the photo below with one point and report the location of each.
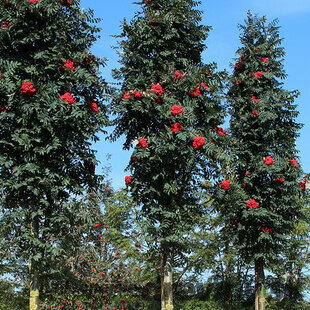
(51, 99)
(110, 267)
(169, 110)
(260, 200)
(214, 256)
(290, 280)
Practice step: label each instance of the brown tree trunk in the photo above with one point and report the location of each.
(260, 299)
(34, 287)
(166, 278)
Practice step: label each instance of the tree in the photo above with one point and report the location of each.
(51, 110)
(110, 268)
(169, 108)
(260, 200)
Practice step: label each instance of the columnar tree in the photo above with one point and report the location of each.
(169, 110)
(261, 198)
(51, 108)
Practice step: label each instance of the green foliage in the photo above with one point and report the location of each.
(12, 297)
(288, 305)
(111, 263)
(162, 47)
(290, 278)
(212, 253)
(194, 304)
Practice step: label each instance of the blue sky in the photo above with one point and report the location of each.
(222, 43)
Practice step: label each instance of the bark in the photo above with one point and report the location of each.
(34, 302)
(260, 299)
(34, 287)
(166, 278)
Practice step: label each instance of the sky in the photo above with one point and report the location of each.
(222, 43)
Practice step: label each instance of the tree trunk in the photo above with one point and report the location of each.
(34, 287)
(34, 303)
(166, 278)
(259, 285)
